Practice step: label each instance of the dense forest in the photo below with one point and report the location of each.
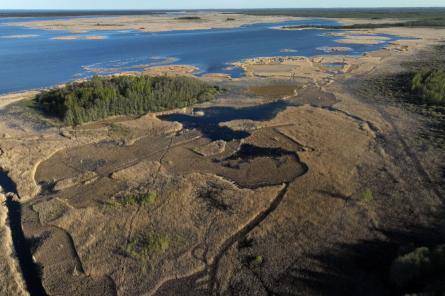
(101, 97)
(412, 14)
(189, 18)
(430, 84)
(409, 17)
(436, 22)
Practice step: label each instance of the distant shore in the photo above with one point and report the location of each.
(153, 23)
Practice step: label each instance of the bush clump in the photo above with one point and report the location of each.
(145, 200)
(430, 84)
(101, 97)
(418, 267)
(189, 18)
(143, 246)
(367, 197)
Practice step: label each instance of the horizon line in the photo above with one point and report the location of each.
(197, 9)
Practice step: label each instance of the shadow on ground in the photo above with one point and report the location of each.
(362, 268)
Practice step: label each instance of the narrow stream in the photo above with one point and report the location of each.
(30, 270)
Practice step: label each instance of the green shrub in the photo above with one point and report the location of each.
(367, 197)
(419, 265)
(408, 267)
(101, 97)
(146, 199)
(143, 246)
(189, 18)
(258, 260)
(430, 84)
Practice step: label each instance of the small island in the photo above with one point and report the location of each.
(101, 97)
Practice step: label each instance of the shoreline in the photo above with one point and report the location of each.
(190, 69)
(343, 140)
(153, 23)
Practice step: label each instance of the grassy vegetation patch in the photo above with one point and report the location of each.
(28, 111)
(144, 199)
(146, 245)
(254, 261)
(258, 260)
(101, 97)
(367, 197)
(421, 268)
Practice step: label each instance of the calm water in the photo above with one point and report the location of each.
(30, 59)
(208, 124)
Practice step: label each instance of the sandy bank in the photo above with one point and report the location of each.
(15, 97)
(153, 23)
(74, 37)
(357, 39)
(22, 36)
(334, 49)
(171, 70)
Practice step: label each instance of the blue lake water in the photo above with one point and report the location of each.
(208, 124)
(30, 59)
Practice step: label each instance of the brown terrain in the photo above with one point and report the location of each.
(312, 199)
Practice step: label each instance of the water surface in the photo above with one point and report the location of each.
(209, 126)
(29, 58)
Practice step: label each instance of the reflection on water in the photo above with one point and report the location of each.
(208, 124)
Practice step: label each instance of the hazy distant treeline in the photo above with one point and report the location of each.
(371, 13)
(412, 17)
(374, 13)
(101, 97)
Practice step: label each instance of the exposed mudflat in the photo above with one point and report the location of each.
(299, 180)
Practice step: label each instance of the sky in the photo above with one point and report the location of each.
(205, 4)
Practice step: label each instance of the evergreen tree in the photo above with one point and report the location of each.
(101, 97)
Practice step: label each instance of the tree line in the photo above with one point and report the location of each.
(100, 97)
(430, 84)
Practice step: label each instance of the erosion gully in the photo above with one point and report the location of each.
(30, 270)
